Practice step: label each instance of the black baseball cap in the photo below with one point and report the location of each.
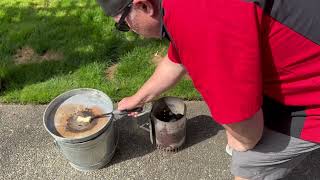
(113, 7)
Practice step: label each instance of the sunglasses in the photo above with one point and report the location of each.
(122, 24)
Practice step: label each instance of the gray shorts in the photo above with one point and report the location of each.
(273, 158)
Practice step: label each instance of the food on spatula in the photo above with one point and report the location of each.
(83, 119)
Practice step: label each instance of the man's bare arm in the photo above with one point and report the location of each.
(245, 135)
(166, 75)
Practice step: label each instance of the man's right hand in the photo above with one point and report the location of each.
(129, 103)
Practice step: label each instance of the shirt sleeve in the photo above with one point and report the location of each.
(173, 54)
(233, 75)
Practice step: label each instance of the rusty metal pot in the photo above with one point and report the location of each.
(168, 134)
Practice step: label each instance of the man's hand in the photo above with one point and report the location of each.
(129, 103)
(245, 135)
(166, 75)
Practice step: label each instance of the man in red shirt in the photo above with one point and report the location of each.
(255, 62)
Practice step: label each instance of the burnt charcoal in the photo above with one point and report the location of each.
(166, 115)
(162, 112)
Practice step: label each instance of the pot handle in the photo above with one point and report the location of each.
(142, 111)
(126, 112)
(119, 114)
(145, 126)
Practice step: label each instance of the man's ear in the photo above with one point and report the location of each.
(144, 5)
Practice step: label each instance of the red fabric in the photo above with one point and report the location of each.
(173, 54)
(291, 73)
(311, 128)
(235, 55)
(223, 57)
(291, 67)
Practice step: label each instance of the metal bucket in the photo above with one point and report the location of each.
(94, 150)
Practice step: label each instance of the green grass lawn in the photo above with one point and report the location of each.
(51, 46)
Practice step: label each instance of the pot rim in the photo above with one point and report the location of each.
(54, 104)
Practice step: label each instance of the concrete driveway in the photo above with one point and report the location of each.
(27, 151)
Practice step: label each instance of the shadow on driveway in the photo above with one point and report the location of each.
(135, 142)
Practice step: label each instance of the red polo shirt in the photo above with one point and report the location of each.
(238, 51)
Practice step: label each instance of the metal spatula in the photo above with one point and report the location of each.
(115, 112)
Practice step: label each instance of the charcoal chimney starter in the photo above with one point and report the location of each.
(168, 119)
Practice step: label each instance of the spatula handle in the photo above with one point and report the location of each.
(126, 112)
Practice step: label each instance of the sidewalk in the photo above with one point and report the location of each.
(27, 151)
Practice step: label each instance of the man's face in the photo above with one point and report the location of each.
(143, 18)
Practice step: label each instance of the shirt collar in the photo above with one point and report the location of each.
(163, 31)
